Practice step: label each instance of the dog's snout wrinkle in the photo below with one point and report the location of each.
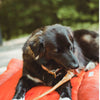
(70, 61)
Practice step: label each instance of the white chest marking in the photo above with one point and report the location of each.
(34, 79)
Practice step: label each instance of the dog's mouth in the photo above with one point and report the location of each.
(54, 72)
(54, 68)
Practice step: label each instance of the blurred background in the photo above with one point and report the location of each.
(18, 18)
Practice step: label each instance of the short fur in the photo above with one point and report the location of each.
(58, 49)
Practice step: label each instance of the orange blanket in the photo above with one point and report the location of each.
(84, 87)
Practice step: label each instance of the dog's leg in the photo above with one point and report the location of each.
(65, 98)
(25, 83)
(65, 91)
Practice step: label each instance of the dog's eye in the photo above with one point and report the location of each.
(71, 38)
(72, 48)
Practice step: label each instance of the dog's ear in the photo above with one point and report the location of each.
(70, 31)
(37, 46)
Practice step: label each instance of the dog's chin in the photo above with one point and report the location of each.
(66, 68)
(52, 65)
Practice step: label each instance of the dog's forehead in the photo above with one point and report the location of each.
(57, 29)
(56, 33)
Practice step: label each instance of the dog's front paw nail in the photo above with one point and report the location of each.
(90, 65)
(65, 98)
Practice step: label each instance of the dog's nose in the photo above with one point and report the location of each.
(74, 66)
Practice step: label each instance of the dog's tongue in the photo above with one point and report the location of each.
(67, 77)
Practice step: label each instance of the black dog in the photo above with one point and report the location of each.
(58, 50)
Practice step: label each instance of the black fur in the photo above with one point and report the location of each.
(90, 49)
(56, 48)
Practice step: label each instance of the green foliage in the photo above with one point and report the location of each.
(67, 13)
(18, 17)
(86, 26)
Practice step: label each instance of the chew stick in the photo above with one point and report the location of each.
(66, 78)
(51, 72)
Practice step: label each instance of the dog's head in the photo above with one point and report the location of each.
(54, 43)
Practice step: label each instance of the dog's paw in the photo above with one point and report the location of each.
(19, 99)
(90, 65)
(65, 98)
